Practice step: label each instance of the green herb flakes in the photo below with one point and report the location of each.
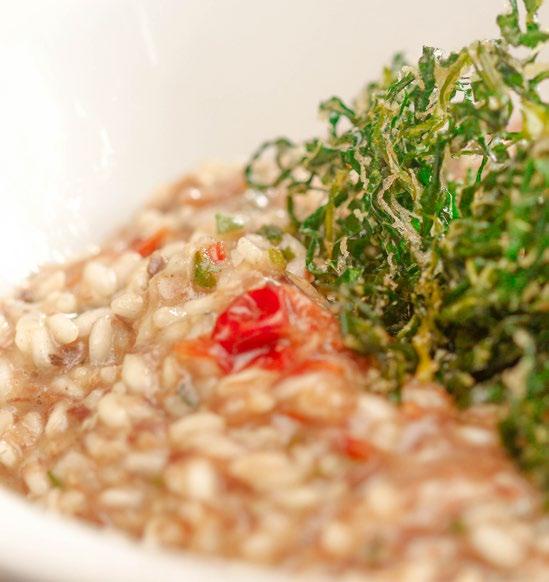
(272, 233)
(204, 271)
(276, 256)
(288, 254)
(55, 481)
(227, 224)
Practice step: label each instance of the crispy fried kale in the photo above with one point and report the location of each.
(432, 239)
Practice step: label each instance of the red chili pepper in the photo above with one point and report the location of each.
(357, 449)
(250, 331)
(255, 330)
(146, 247)
(216, 252)
(256, 320)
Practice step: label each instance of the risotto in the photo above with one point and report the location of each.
(188, 386)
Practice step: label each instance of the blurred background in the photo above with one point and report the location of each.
(104, 100)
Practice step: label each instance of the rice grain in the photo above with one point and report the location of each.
(100, 341)
(100, 278)
(63, 329)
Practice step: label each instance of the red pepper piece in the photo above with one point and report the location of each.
(146, 247)
(254, 321)
(216, 252)
(357, 449)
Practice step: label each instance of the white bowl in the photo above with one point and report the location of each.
(103, 100)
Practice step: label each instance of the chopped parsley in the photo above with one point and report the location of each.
(204, 271)
(277, 258)
(433, 235)
(272, 233)
(225, 223)
(55, 481)
(288, 254)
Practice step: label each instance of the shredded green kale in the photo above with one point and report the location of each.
(432, 239)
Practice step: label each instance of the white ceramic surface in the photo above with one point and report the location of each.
(102, 100)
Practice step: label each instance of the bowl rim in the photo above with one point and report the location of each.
(42, 545)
